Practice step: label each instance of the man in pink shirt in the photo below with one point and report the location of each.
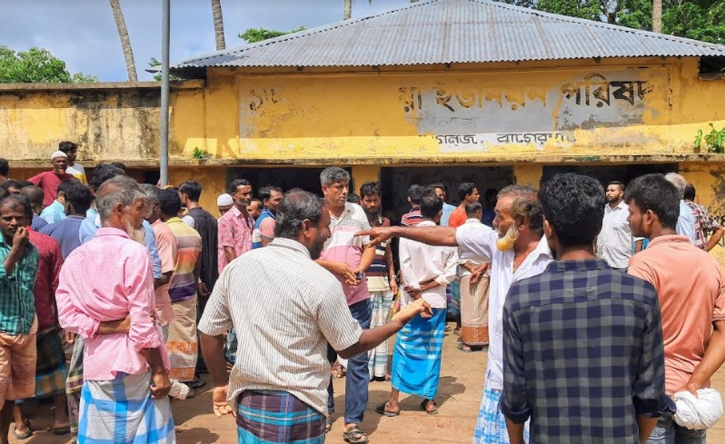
(346, 257)
(691, 288)
(126, 383)
(50, 180)
(166, 242)
(236, 225)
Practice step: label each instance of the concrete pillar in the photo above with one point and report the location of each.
(528, 174)
(362, 174)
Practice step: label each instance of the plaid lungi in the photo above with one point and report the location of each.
(230, 348)
(491, 423)
(74, 385)
(50, 369)
(378, 357)
(121, 411)
(417, 355)
(266, 417)
(454, 303)
(182, 342)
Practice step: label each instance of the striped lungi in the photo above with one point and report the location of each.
(474, 311)
(417, 355)
(378, 357)
(122, 411)
(265, 417)
(182, 343)
(74, 385)
(491, 423)
(50, 369)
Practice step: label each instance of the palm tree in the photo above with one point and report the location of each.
(125, 40)
(347, 10)
(216, 11)
(657, 16)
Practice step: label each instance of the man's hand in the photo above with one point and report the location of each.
(689, 387)
(377, 235)
(220, 403)
(479, 272)
(420, 306)
(413, 292)
(20, 238)
(202, 290)
(70, 338)
(160, 385)
(393, 285)
(343, 270)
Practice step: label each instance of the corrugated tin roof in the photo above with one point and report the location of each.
(454, 31)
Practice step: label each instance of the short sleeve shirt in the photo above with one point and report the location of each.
(344, 246)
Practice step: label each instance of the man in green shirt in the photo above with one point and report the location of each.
(18, 324)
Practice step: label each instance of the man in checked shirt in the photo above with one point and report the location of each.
(582, 344)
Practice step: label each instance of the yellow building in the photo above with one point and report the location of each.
(443, 90)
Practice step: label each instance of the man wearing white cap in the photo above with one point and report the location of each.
(50, 180)
(224, 202)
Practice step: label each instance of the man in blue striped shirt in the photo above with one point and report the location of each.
(583, 353)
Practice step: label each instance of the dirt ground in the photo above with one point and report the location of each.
(458, 399)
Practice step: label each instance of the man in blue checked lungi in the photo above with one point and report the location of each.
(124, 399)
(426, 271)
(278, 385)
(517, 250)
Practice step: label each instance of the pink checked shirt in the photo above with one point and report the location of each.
(103, 280)
(235, 230)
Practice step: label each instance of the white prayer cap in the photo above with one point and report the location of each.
(57, 154)
(224, 200)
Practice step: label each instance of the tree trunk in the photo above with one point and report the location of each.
(125, 40)
(657, 16)
(216, 10)
(347, 11)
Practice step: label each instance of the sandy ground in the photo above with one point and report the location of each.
(459, 398)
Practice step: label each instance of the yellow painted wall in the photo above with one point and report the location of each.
(213, 181)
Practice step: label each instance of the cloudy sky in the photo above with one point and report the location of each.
(83, 33)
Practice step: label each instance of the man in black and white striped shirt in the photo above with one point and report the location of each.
(285, 309)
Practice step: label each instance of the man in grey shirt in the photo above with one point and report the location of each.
(278, 384)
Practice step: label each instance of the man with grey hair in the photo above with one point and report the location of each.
(126, 383)
(346, 257)
(517, 250)
(686, 221)
(278, 386)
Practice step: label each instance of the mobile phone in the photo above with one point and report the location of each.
(360, 275)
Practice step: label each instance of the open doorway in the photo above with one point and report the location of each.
(610, 173)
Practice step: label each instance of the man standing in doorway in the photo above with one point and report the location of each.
(236, 225)
(686, 220)
(74, 168)
(597, 329)
(467, 193)
(690, 285)
(346, 257)
(441, 191)
(50, 180)
(382, 283)
(517, 250)
(415, 196)
(426, 272)
(704, 223)
(614, 242)
(264, 226)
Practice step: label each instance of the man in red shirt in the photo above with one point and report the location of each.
(50, 180)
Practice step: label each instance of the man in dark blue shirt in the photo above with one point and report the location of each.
(78, 199)
(583, 352)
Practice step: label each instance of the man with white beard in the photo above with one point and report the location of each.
(517, 250)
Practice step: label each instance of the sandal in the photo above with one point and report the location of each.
(328, 424)
(25, 435)
(380, 408)
(196, 383)
(354, 435)
(464, 348)
(424, 406)
(59, 431)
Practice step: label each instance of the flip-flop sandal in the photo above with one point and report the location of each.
(464, 348)
(354, 435)
(25, 435)
(383, 411)
(196, 383)
(430, 412)
(60, 431)
(328, 424)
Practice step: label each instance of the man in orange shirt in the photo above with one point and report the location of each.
(691, 288)
(467, 193)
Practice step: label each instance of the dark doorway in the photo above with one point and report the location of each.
(395, 182)
(307, 179)
(609, 173)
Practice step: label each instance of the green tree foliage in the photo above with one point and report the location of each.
(254, 35)
(695, 19)
(156, 67)
(36, 65)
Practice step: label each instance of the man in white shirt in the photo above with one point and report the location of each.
(517, 250)
(614, 242)
(686, 221)
(417, 356)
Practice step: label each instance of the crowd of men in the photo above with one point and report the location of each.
(600, 308)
